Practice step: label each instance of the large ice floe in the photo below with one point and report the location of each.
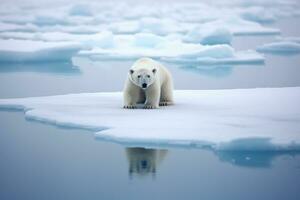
(239, 119)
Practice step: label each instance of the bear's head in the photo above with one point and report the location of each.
(143, 78)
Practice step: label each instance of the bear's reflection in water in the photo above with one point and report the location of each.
(143, 162)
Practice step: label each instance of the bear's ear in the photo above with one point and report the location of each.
(131, 71)
(154, 71)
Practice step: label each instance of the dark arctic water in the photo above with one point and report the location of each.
(40, 161)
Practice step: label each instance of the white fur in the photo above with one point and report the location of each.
(159, 90)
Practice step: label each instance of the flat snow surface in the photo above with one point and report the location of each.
(240, 119)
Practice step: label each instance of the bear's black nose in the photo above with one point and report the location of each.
(144, 85)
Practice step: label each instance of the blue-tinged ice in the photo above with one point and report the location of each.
(282, 46)
(259, 14)
(208, 35)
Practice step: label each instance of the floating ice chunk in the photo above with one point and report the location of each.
(240, 119)
(239, 26)
(36, 51)
(281, 47)
(208, 35)
(221, 31)
(258, 14)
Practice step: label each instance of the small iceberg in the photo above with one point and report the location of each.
(259, 14)
(261, 119)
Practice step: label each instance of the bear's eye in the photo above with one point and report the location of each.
(139, 76)
(148, 76)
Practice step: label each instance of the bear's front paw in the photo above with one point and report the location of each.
(165, 103)
(150, 107)
(129, 106)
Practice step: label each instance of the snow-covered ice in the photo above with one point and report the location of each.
(240, 119)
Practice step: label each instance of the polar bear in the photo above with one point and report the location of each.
(148, 83)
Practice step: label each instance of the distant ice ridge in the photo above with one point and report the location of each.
(241, 119)
(289, 45)
(36, 51)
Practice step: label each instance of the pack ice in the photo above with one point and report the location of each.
(239, 119)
